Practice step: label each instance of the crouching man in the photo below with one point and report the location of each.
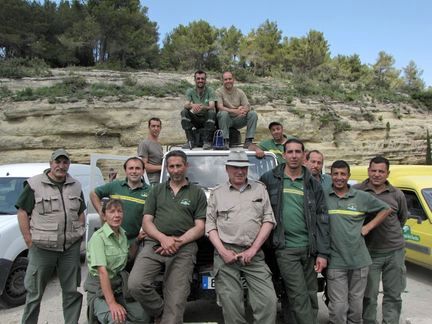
(174, 218)
(239, 220)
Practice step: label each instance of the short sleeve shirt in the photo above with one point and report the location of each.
(153, 152)
(175, 214)
(106, 249)
(238, 215)
(232, 99)
(347, 214)
(271, 146)
(133, 203)
(205, 98)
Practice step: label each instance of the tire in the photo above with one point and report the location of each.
(14, 293)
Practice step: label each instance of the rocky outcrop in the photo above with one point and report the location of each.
(30, 130)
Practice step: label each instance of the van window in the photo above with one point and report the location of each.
(427, 194)
(415, 208)
(10, 189)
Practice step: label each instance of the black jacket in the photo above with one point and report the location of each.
(315, 211)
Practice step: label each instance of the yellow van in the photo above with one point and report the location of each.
(415, 181)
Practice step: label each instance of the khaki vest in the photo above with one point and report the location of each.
(54, 222)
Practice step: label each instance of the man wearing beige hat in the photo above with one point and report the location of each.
(239, 220)
(51, 218)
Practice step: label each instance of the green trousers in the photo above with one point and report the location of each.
(135, 313)
(40, 270)
(391, 266)
(177, 276)
(226, 122)
(301, 284)
(229, 288)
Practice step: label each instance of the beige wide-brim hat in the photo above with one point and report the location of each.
(238, 159)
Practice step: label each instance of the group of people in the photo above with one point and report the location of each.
(228, 107)
(311, 222)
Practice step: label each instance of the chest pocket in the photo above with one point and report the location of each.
(75, 203)
(224, 211)
(47, 205)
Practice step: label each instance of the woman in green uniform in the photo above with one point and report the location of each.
(106, 284)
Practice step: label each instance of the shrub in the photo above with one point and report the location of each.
(17, 68)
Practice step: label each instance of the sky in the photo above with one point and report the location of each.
(364, 27)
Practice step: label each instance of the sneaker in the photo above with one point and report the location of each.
(247, 142)
(207, 146)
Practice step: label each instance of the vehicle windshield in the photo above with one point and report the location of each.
(208, 171)
(427, 194)
(10, 189)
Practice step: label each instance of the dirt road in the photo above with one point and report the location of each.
(416, 304)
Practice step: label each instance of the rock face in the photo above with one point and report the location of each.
(30, 130)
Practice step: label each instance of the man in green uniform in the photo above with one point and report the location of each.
(199, 112)
(51, 218)
(274, 144)
(349, 257)
(234, 111)
(315, 163)
(239, 220)
(174, 218)
(386, 246)
(132, 191)
(301, 238)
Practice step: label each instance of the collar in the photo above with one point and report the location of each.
(247, 185)
(350, 193)
(167, 183)
(125, 183)
(368, 186)
(108, 231)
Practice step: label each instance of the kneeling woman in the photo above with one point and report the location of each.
(107, 254)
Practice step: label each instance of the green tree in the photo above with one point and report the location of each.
(191, 47)
(126, 36)
(261, 48)
(306, 53)
(412, 78)
(228, 44)
(385, 74)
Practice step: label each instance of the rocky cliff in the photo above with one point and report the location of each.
(30, 130)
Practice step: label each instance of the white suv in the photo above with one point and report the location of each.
(13, 250)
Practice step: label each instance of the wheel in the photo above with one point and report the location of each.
(14, 293)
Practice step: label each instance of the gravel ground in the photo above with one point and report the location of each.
(416, 307)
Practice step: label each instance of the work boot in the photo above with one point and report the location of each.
(207, 146)
(247, 143)
(226, 144)
(190, 144)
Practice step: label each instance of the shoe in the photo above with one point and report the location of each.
(247, 143)
(189, 145)
(207, 146)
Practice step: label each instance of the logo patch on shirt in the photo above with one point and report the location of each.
(145, 194)
(352, 207)
(185, 202)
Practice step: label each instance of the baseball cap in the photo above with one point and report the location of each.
(59, 152)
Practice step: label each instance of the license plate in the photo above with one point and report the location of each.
(208, 282)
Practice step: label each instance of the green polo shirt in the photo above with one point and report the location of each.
(106, 249)
(176, 214)
(271, 146)
(133, 203)
(296, 234)
(347, 214)
(207, 96)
